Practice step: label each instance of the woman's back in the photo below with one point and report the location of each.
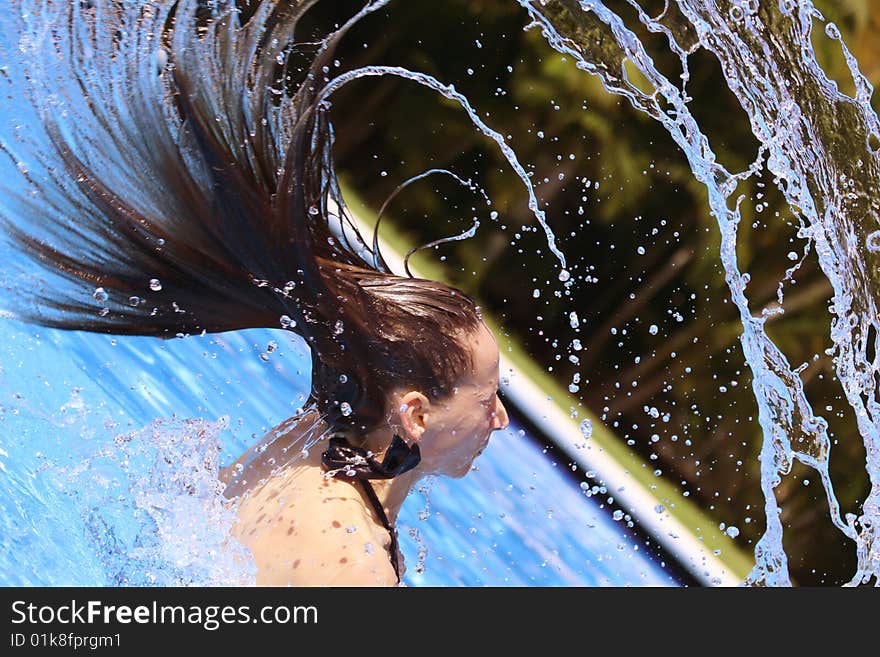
(303, 528)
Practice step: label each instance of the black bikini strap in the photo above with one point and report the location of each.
(380, 511)
(349, 461)
(345, 461)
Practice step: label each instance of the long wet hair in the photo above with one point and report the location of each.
(188, 186)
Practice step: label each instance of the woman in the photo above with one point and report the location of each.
(328, 518)
(187, 185)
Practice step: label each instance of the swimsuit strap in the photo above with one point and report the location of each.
(377, 507)
(344, 461)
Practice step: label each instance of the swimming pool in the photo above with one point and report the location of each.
(89, 495)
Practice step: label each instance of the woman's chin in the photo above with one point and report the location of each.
(460, 470)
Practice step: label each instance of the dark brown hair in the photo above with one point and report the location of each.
(229, 215)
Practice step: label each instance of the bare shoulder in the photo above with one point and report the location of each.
(259, 461)
(305, 530)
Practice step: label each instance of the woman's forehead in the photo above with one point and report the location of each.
(485, 353)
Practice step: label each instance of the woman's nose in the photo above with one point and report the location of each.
(500, 421)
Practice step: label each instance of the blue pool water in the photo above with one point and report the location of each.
(93, 491)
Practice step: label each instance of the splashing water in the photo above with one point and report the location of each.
(141, 495)
(820, 145)
(450, 92)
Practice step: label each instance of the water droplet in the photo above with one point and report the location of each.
(536, 293)
(287, 322)
(640, 250)
(792, 255)
(264, 357)
(338, 327)
(573, 320)
(652, 329)
(659, 508)
(873, 242)
(586, 428)
(313, 210)
(134, 301)
(564, 275)
(343, 378)
(345, 408)
(732, 531)
(617, 515)
(161, 59)
(272, 346)
(100, 295)
(832, 31)
(155, 285)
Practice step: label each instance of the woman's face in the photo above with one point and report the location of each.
(456, 429)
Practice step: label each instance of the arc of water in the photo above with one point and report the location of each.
(790, 427)
(450, 92)
(789, 99)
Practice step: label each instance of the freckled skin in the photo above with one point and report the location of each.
(450, 432)
(295, 553)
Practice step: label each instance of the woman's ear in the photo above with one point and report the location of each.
(412, 413)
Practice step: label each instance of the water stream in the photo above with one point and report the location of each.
(823, 150)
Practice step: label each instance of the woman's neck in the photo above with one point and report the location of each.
(281, 451)
(391, 492)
